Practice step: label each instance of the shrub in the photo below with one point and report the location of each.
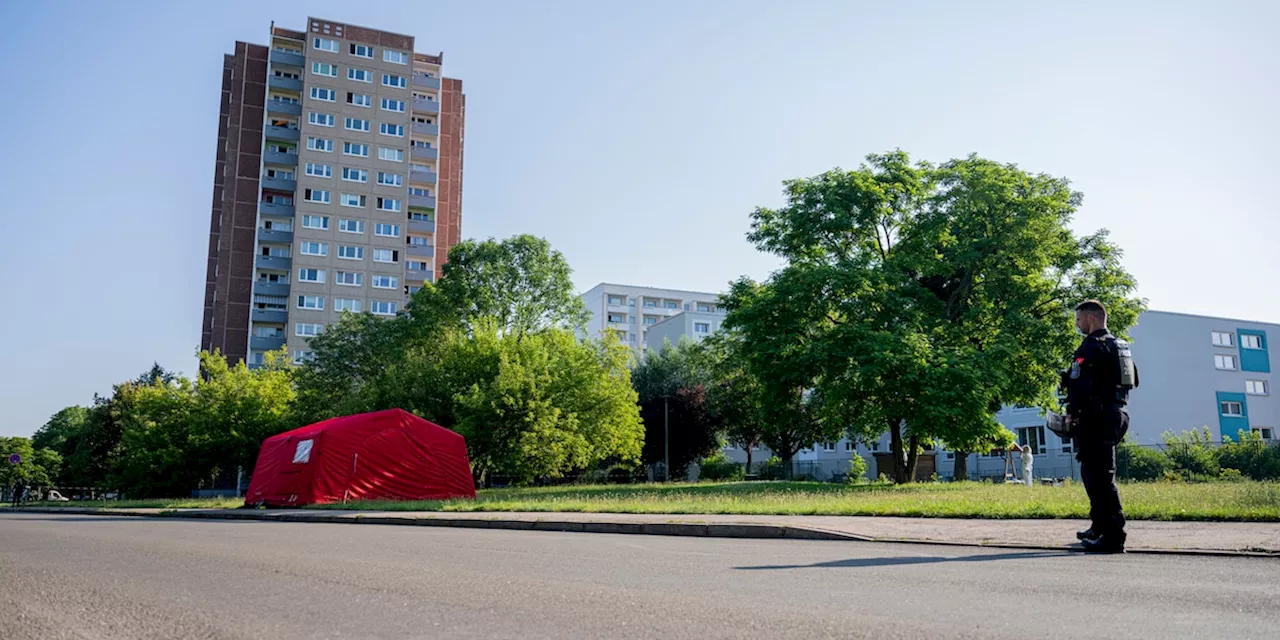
(720, 467)
(1134, 462)
(857, 470)
(1192, 452)
(773, 469)
(1251, 456)
(1231, 475)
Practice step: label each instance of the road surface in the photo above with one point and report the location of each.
(107, 577)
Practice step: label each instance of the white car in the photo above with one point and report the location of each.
(54, 496)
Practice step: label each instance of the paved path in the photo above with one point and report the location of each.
(1211, 537)
(70, 576)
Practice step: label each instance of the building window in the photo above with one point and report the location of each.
(395, 57)
(351, 226)
(618, 318)
(356, 124)
(702, 327)
(359, 75)
(316, 195)
(1250, 341)
(417, 216)
(419, 192)
(390, 179)
(324, 69)
(315, 222)
(388, 204)
(1267, 433)
(348, 278)
(347, 252)
(354, 149)
(355, 175)
(319, 170)
(417, 266)
(1224, 363)
(354, 200)
(320, 119)
(322, 145)
(1256, 387)
(324, 95)
(1223, 339)
(386, 255)
(325, 44)
(670, 304)
(361, 51)
(1033, 437)
(385, 282)
(391, 80)
(311, 248)
(311, 275)
(848, 445)
(391, 155)
(615, 301)
(386, 230)
(393, 105)
(346, 304)
(388, 129)
(382, 308)
(307, 329)
(704, 308)
(359, 99)
(828, 446)
(302, 357)
(1231, 409)
(315, 303)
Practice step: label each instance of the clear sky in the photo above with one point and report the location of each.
(636, 137)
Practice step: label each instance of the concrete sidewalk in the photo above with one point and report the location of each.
(1217, 538)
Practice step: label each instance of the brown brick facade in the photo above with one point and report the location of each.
(234, 217)
(453, 112)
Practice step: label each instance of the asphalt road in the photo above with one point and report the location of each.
(108, 577)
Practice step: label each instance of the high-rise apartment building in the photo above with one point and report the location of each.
(632, 312)
(338, 184)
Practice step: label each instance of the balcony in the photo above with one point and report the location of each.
(424, 129)
(276, 263)
(420, 276)
(284, 108)
(280, 184)
(423, 82)
(275, 209)
(422, 252)
(423, 177)
(272, 316)
(423, 153)
(279, 157)
(281, 133)
(263, 287)
(422, 202)
(263, 343)
(276, 237)
(425, 106)
(287, 58)
(285, 84)
(422, 226)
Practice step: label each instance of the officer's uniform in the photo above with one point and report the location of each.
(1097, 401)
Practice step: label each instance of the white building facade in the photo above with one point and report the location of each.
(632, 312)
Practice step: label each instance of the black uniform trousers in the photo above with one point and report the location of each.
(1100, 432)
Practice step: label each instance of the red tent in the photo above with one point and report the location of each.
(390, 455)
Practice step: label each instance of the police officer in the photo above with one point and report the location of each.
(1098, 383)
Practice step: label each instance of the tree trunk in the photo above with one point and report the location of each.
(787, 471)
(747, 471)
(895, 447)
(961, 472)
(913, 457)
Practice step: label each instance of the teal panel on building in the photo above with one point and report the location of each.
(1254, 355)
(1233, 414)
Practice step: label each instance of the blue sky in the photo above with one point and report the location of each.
(636, 137)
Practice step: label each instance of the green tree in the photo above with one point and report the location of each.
(735, 395)
(671, 387)
(38, 467)
(919, 299)
(554, 405)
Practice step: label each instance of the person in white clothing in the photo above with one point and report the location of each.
(1027, 459)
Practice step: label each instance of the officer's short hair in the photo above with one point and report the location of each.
(1092, 306)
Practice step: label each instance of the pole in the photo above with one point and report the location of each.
(666, 441)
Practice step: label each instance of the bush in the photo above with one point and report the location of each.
(857, 470)
(1251, 456)
(773, 469)
(1140, 463)
(1192, 452)
(720, 467)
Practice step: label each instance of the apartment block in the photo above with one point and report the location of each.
(337, 188)
(1195, 372)
(632, 312)
(694, 325)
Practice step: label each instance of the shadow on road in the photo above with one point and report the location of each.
(33, 517)
(855, 563)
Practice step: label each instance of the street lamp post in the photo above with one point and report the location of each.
(666, 440)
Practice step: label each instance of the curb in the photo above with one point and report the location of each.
(679, 529)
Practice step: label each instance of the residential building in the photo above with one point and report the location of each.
(633, 311)
(1194, 371)
(694, 325)
(338, 184)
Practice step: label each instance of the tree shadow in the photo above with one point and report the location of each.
(856, 563)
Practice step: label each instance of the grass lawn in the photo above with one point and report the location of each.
(1249, 501)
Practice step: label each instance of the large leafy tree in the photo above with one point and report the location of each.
(922, 298)
(735, 395)
(671, 385)
(37, 466)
